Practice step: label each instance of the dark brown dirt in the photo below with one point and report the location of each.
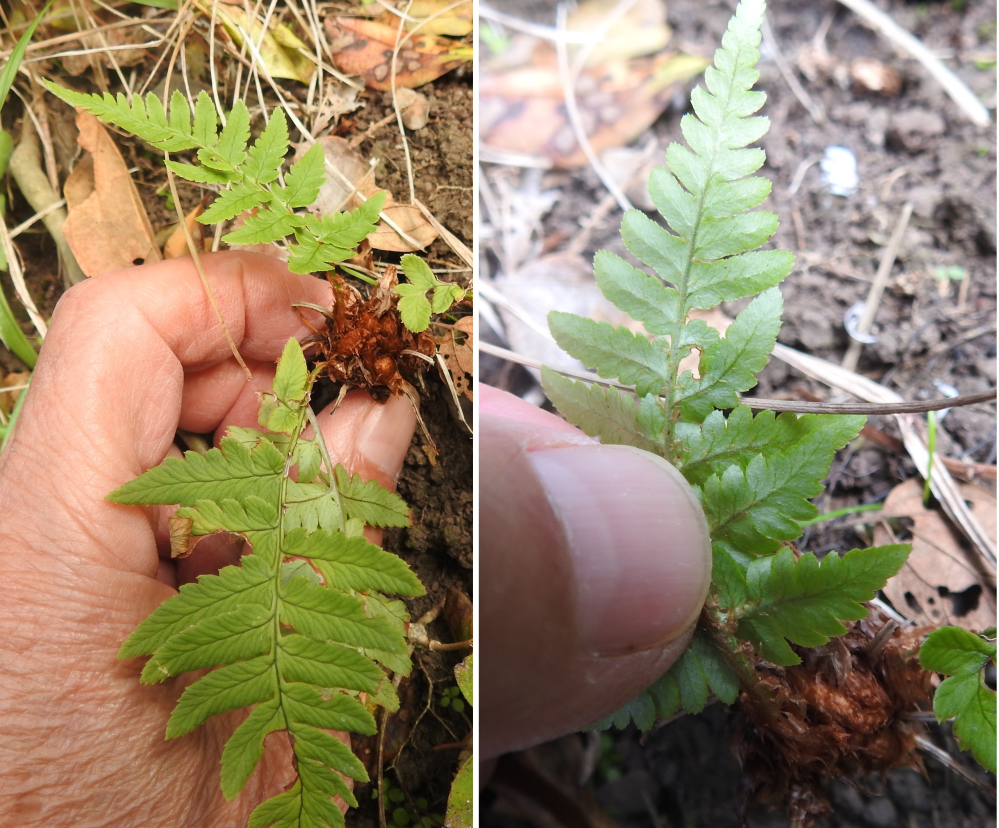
(915, 146)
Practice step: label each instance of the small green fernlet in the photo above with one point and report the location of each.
(754, 474)
(301, 628)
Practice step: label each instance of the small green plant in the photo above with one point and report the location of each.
(452, 698)
(754, 474)
(414, 307)
(459, 801)
(965, 696)
(301, 629)
(400, 813)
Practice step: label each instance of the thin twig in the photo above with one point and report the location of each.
(395, 103)
(20, 286)
(945, 759)
(761, 404)
(878, 288)
(569, 79)
(193, 248)
(813, 107)
(952, 84)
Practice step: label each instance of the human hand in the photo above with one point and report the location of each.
(594, 563)
(129, 358)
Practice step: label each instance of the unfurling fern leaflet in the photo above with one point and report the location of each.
(755, 475)
(248, 175)
(301, 628)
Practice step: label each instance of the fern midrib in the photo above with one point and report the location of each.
(673, 365)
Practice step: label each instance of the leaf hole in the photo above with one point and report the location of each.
(963, 602)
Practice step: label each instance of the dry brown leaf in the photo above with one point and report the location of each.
(415, 108)
(410, 219)
(641, 31)
(335, 195)
(78, 64)
(523, 110)
(459, 356)
(8, 399)
(107, 228)
(176, 245)
(364, 47)
(940, 581)
(434, 17)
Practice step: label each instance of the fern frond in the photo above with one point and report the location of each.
(247, 176)
(755, 476)
(301, 612)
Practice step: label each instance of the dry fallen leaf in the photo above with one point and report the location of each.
(939, 584)
(408, 218)
(640, 31)
(8, 399)
(335, 195)
(364, 47)
(107, 228)
(176, 245)
(278, 48)
(432, 17)
(459, 356)
(415, 108)
(523, 110)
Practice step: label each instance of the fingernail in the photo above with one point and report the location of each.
(384, 435)
(638, 540)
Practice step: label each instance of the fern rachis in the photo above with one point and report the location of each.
(300, 629)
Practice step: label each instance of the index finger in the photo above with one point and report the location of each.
(106, 395)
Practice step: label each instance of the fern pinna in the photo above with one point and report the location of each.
(301, 629)
(753, 474)
(248, 175)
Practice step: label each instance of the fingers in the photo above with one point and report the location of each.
(595, 561)
(113, 366)
(105, 398)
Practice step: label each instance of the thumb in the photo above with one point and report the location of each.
(595, 561)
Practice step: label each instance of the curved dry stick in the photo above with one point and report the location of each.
(762, 404)
(952, 84)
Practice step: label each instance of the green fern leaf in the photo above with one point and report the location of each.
(804, 601)
(700, 671)
(151, 126)
(230, 203)
(304, 179)
(205, 129)
(965, 696)
(605, 412)
(612, 352)
(289, 619)
(353, 563)
(235, 134)
(202, 175)
(268, 225)
(754, 475)
(755, 507)
(265, 157)
(729, 365)
(720, 442)
(369, 502)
